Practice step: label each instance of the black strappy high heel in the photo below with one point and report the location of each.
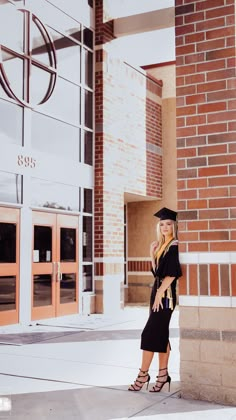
(159, 384)
(137, 382)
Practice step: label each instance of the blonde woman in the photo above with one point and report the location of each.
(166, 271)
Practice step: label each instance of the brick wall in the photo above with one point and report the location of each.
(128, 156)
(206, 137)
(206, 159)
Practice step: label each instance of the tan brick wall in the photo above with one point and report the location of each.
(128, 152)
(141, 223)
(208, 354)
(139, 288)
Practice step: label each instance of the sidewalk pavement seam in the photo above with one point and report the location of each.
(80, 384)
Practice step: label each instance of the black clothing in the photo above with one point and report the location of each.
(155, 335)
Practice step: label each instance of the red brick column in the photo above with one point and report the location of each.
(103, 34)
(206, 151)
(206, 103)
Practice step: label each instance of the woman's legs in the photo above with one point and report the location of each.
(147, 357)
(163, 376)
(143, 375)
(164, 358)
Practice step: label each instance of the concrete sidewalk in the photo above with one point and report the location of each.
(79, 367)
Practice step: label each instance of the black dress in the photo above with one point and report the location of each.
(155, 335)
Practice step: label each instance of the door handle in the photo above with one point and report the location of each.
(54, 271)
(59, 274)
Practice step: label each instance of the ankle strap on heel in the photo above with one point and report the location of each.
(143, 371)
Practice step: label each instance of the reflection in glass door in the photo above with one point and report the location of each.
(67, 251)
(9, 266)
(55, 265)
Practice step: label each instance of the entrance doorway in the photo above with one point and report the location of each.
(9, 265)
(55, 265)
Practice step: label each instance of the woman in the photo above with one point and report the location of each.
(166, 270)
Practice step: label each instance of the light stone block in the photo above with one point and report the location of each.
(217, 318)
(200, 373)
(190, 350)
(228, 396)
(189, 317)
(229, 376)
(211, 393)
(111, 293)
(216, 394)
(215, 301)
(229, 336)
(220, 395)
(190, 391)
(217, 352)
(208, 373)
(188, 371)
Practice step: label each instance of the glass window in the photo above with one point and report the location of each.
(88, 147)
(11, 133)
(40, 48)
(49, 14)
(53, 195)
(71, 7)
(53, 136)
(88, 109)
(88, 37)
(11, 27)
(42, 244)
(42, 290)
(68, 288)
(68, 245)
(88, 201)
(13, 65)
(87, 278)
(87, 238)
(39, 84)
(64, 102)
(7, 243)
(89, 69)
(68, 57)
(10, 188)
(7, 293)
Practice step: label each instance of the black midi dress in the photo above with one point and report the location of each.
(155, 335)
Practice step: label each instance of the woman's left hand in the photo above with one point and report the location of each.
(157, 302)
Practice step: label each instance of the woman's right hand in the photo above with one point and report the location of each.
(153, 248)
(157, 302)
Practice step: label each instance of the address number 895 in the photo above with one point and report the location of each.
(26, 161)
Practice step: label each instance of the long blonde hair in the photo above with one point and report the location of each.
(161, 238)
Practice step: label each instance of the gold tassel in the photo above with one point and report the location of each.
(169, 296)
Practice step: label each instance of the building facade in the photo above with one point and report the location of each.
(81, 137)
(46, 134)
(90, 151)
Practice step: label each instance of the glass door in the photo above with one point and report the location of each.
(55, 265)
(67, 266)
(9, 266)
(44, 274)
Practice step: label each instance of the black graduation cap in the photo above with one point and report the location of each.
(166, 213)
